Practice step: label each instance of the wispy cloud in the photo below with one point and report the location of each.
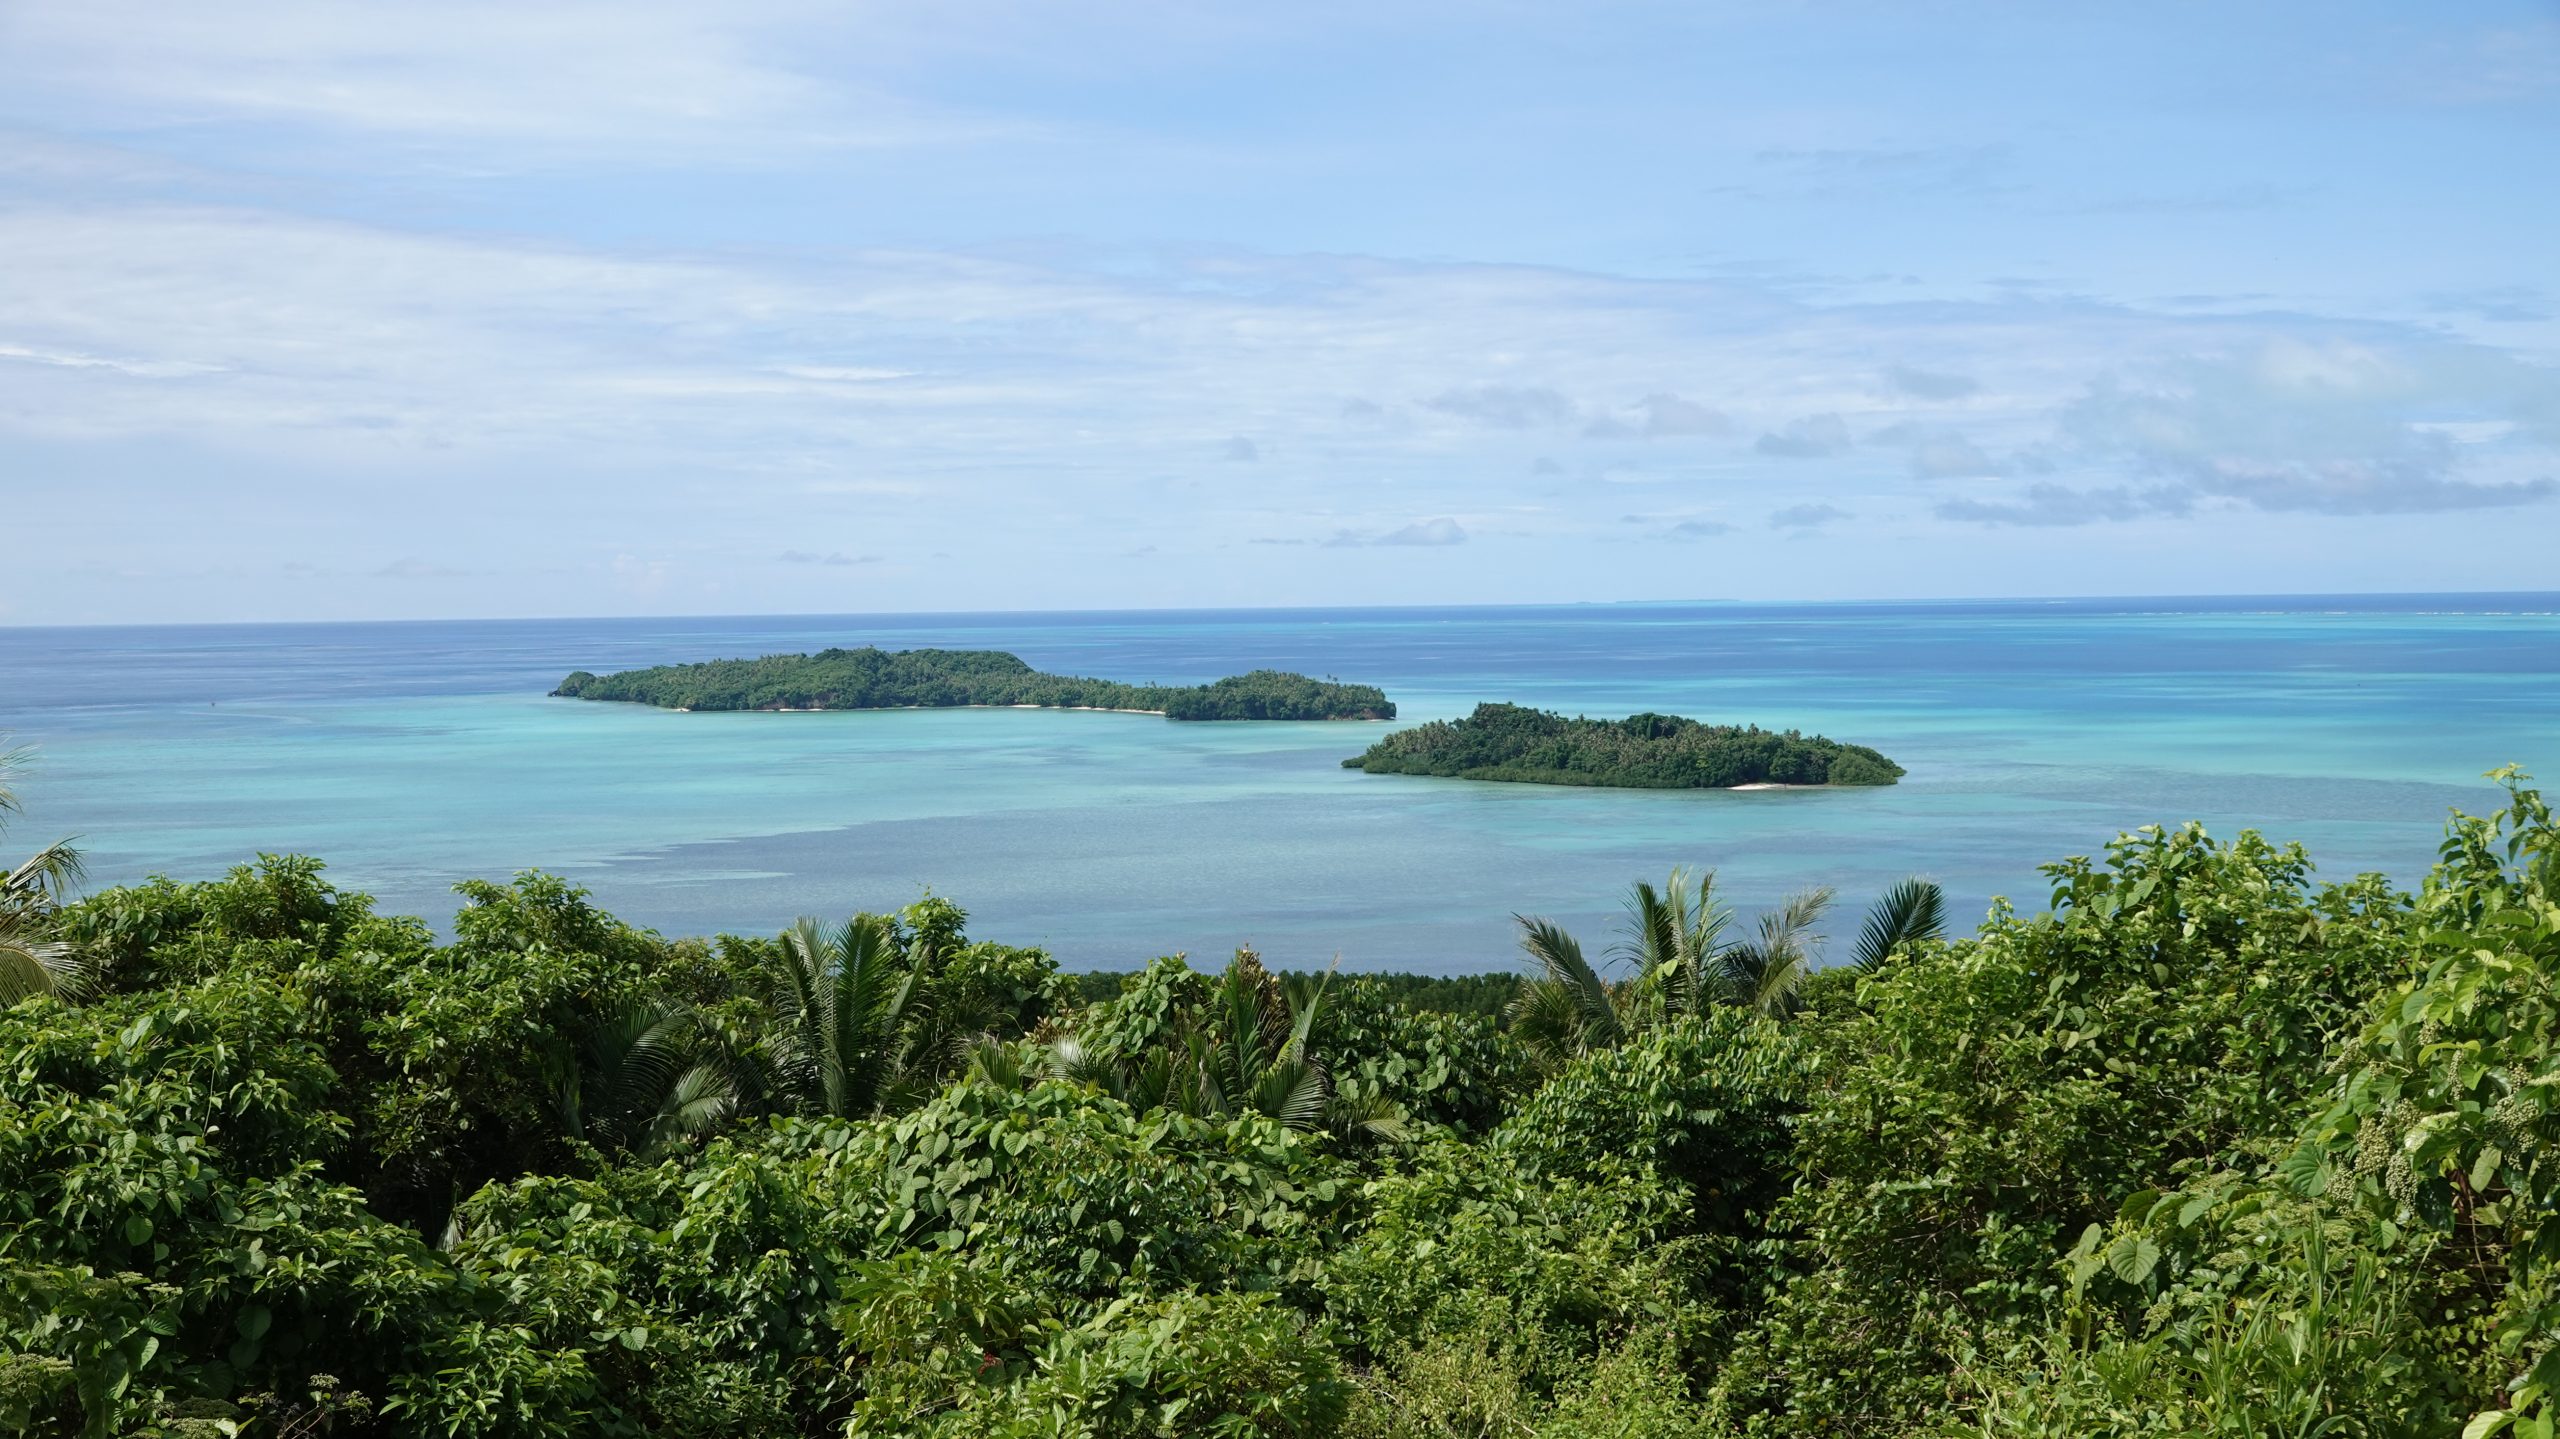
(2050, 505)
(412, 568)
(1427, 533)
(1806, 517)
(2336, 427)
(1930, 384)
(830, 557)
(511, 85)
(1509, 407)
(1809, 438)
(1660, 416)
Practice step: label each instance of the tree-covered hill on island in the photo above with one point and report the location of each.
(1645, 751)
(871, 678)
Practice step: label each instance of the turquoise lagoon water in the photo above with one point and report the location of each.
(414, 755)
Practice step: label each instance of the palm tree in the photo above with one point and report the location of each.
(1675, 936)
(639, 1083)
(1246, 1053)
(31, 963)
(841, 1000)
(1684, 965)
(1568, 1009)
(1763, 973)
(1912, 912)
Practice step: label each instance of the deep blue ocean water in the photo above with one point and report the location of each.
(414, 755)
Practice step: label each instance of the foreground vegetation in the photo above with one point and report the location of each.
(1646, 751)
(2200, 1147)
(939, 679)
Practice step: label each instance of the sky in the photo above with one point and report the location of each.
(337, 309)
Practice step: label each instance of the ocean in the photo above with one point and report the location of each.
(413, 755)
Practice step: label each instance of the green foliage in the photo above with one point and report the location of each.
(1684, 965)
(1465, 1239)
(1239, 1046)
(1987, 1101)
(1233, 1365)
(1151, 1006)
(166, 1227)
(1708, 1103)
(1646, 751)
(2312, 1348)
(1477, 1385)
(1438, 1067)
(1483, 996)
(968, 991)
(2203, 1149)
(32, 960)
(871, 678)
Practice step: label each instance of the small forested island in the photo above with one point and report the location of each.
(1644, 751)
(872, 678)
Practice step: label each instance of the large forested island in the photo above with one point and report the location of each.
(1645, 751)
(870, 678)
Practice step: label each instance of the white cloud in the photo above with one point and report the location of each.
(1809, 438)
(1931, 384)
(1806, 517)
(1440, 531)
(1940, 457)
(485, 83)
(1509, 407)
(949, 387)
(2337, 426)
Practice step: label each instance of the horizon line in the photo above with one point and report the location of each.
(2552, 595)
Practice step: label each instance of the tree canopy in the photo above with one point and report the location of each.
(870, 678)
(2197, 1146)
(1645, 751)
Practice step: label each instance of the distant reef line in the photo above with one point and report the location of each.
(872, 678)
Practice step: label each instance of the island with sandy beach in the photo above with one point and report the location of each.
(872, 678)
(1645, 751)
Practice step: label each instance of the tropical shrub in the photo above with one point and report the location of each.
(2203, 1148)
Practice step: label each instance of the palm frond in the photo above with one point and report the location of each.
(1912, 912)
(1295, 1093)
(995, 1064)
(13, 761)
(1680, 929)
(32, 966)
(46, 875)
(1373, 1117)
(702, 1101)
(1653, 928)
(1558, 956)
(1303, 1008)
(841, 998)
(1151, 1083)
(1546, 1018)
(1069, 1060)
(1763, 974)
(31, 961)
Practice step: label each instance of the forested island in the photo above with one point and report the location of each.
(1645, 751)
(871, 678)
(2195, 1146)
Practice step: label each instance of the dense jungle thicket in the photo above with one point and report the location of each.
(2197, 1146)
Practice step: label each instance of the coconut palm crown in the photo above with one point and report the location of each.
(1684, 960)
(31, 961)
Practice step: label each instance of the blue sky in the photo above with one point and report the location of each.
(317, 309)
